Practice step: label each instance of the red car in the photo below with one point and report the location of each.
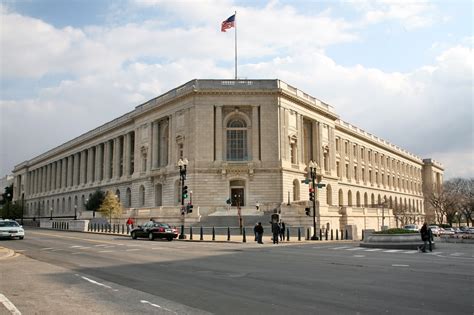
(153, 229)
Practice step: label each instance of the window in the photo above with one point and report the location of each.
(337, 145)
(347, 171)
(338, 170)
(237, 140)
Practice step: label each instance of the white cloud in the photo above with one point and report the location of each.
(112, 69)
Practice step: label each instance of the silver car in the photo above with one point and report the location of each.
(411, 227)
(11, 229)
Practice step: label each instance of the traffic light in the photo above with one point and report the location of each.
(321, 185)
(311, 193)
(185, 192)
(307, 210)
(189, 208)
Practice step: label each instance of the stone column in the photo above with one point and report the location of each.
(98, 162)
(320, 154)
(70, 166)
(116, 160)
(255, 126)
(150, 152)
(154, 143)
(299, 128)
(90, 163)
(108, 160)
(83, 168)
(332, 149)
(76, 170)
(284, 145)
(219, 133)
(126, 154)
(43, 179)
(46, 178)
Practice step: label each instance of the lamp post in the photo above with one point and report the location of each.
(383, 204)
(182, 164)
(8, 203)
(312, 169)
(239, 212)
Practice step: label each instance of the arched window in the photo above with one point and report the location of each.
(237, 140)
(372, 200)
(117, 194)
(341, 198)
(366, 200)
(296, 190)
(329, 195)
(129, 197)
(349, 198)
(158, 195)
(358, 199)
(141, 195)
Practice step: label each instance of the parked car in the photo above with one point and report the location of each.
(153, 229)
(447, 231)
(435, 230)
(471, 230)
(11, 229)
(463, 230)
(411, 227)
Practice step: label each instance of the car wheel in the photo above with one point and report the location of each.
(21, 237)
(151, 237)
(169, 238)
(134, 235)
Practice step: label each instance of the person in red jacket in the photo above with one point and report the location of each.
(130, 224)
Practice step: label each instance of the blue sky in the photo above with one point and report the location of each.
(374, 61)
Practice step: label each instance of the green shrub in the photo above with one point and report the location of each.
(396, 231)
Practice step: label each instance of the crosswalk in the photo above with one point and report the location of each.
(390, 251)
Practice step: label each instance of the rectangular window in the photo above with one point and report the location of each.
(347, 171)
(338, 170)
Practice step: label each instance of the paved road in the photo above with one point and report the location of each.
(102, 274)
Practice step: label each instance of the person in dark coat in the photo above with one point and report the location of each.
(276, 232)
(424, 237)
(282, 231)
(259, 231)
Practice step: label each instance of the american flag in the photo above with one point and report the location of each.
(229, 23)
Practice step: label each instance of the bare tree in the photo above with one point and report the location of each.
(456, 196)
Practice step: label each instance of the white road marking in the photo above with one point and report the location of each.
(157, 306)
(342, 247)
(132, 249)
(77, 253)
(46, 248)
(358, 256)
(76, 246)
(392, 251)
(56, 250)
(9, 305)
(410, 252)
(133, 245)
(100, 245)
(355, 248)
(106, 251)
(97, 283)
(397, 265)
(373, 250)
(456, 254)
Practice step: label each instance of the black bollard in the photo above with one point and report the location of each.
(337, 234)
(307, 234)
(123, 229)
(181, 236)
(347, 235)
(363, 235)
(114, 228)
(320, 234)
(244, 238)
(288, 234)
(326, 234)
(213, 234)
(332, 235)
(299, 234)
(190, 232)
(342, 235)
(201, 236)
(228, 233)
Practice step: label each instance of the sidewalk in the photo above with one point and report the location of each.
(5, 253)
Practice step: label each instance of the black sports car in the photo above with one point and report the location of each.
(153, 229)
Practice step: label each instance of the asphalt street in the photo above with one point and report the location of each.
(55, 272)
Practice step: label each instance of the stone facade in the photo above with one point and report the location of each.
(251, 138)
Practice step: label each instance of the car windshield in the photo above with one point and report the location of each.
(8, 224)
(159, 224)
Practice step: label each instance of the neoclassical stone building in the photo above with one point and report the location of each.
(247, 138)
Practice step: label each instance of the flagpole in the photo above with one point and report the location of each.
(235, 43)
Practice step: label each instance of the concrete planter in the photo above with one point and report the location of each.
(393, 241)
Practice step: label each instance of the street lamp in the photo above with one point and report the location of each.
(383, 204)
(312, 170)
(239, 211)
(182, 164)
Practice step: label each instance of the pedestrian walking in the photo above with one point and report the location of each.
(282, 231)
(255, 231)
(275, 232)
(424, 237)
(130, 224)
(259, 232)
(430, 239)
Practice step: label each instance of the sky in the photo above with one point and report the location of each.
(402, 70)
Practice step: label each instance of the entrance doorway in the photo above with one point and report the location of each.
(238, 197)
